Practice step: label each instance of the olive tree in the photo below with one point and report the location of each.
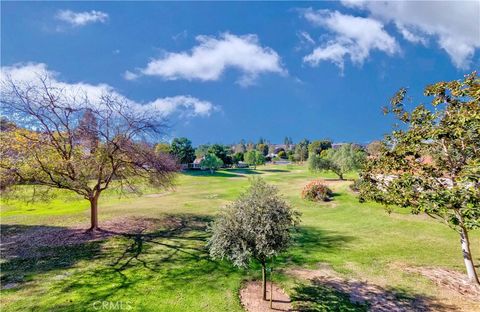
(258, 225)
(431, 161)
(346, 158)
(64, 140)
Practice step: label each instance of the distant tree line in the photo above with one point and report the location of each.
(320, 154)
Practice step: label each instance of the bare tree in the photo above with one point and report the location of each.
(66, 140)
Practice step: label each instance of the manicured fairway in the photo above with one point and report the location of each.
(168, 268)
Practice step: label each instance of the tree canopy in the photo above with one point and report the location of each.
(254, 158)
(211, 162)
(346, 158)
(65, 141)
(182, 149)
(257, 225)
(431, 161)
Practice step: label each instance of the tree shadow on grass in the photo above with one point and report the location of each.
(185, 234)
(274, 170)
(226, 173)
(173, 257)
(335, 294)
(308, 242)
(28, 250)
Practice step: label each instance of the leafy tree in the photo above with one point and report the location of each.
(211, 162)
(254, 158)
(282, 154)
(316, 147)
(202, 150)
(163, 148)
(257, 225)
(432, 162)
(301, 150)
(237, 157)
(67, 142)
(221, 151)
(182, 149)
(342, 160)
(262, 148)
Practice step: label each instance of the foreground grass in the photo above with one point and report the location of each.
(169, 269)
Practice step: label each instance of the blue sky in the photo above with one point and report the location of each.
(225, 71)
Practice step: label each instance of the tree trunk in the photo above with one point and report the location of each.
(467, 256)
(94, 212)
(264, 280)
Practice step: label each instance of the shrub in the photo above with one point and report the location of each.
(317, 191)
(355, 186)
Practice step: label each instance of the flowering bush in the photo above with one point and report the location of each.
(317, 191)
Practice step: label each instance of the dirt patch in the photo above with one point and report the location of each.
(20, 241)
(449, 279)
(377, 298)
(252, 301)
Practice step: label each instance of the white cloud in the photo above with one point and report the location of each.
(354, 37)
(305, 37)
(128, 75)
(213, 56)
(181, 105)
(81, 18)
(454, 25)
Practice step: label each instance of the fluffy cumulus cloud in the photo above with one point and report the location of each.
(212, 57)
(353, 37)
(453, 25)
(81, 18)
(181, 105)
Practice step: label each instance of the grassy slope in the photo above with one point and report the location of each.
(175, 273)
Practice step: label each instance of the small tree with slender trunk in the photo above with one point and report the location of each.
(340, 161)
(431, 162)
(211, 162)
(63, 140)
(254, 158)
(257, 225)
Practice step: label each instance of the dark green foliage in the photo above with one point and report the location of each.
(182, 149)
(316, 147)
(237, 157)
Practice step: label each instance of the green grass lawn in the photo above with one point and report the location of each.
(169, 269)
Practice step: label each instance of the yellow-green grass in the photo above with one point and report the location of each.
(172, 271)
